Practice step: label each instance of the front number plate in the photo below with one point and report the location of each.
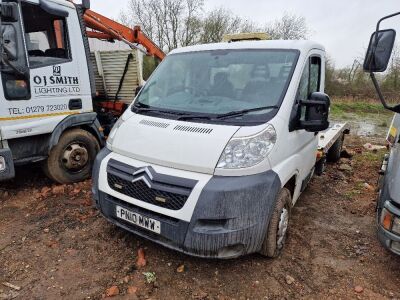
(138, 219)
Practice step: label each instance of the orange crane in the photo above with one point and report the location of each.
(106, 29)
(103, 28)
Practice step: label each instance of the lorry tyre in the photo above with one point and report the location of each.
(278, 225)
(71, 160)
(335, 151)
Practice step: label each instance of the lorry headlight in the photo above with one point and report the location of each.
(396, 225)
(386, 219)
(113, 132)
(248, 151)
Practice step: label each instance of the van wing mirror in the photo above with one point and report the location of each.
(379, 50)
(315, 112)
(9, 12)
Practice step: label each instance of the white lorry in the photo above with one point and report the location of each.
(388, 205)
(56, 98)
(218, 146)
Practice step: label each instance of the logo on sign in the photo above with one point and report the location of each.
(57, 70)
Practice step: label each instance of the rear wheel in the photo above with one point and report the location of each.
(71, 160)
(278, 225)
(335, 151)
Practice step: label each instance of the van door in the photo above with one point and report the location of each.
(54, 48)
(306, 142)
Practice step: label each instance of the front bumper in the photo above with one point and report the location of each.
(229, 218)
(9, 171)
(389, 240)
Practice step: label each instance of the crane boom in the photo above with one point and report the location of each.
(106, 29)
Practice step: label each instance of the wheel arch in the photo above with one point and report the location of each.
(85, 121)
(291, 185)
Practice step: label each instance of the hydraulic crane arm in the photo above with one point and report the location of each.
(107, 29)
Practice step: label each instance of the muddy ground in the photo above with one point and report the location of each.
(54, 245)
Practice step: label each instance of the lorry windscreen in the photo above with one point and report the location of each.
(209, 84)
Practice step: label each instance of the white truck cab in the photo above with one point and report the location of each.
(217, 147)
(46, 90)
(58, 100)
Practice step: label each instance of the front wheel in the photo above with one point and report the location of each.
(71, 160)
(278, 225)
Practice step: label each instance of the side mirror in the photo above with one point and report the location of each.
(9, 12)
(379, 50)
(315, 112)
(86, 4)
(10, 46)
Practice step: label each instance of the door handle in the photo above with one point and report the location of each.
(75, 104)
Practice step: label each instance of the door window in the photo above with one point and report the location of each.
(46, 37)
(310, 82)
(310, 79)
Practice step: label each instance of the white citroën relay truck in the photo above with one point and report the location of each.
(217, 147)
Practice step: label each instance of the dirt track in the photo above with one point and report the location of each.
(53, 245)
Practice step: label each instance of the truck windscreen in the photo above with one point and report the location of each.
(220, 81)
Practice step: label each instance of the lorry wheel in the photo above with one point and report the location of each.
(278, 225)
(335, 151)
(71, 160)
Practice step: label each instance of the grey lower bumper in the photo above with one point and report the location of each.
(230, 218)
(386, 237)
(9, 172)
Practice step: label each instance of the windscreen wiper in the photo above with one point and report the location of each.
(240, 113)
(140, 107)
(194, 117)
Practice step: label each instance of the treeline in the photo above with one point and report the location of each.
(354, 84)
(178, 23)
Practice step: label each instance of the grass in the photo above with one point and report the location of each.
(341, 108)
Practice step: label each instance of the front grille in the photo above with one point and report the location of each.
(149, 186)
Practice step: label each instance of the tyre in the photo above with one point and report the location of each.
(276, 234)
(335, 151)
(71, 160)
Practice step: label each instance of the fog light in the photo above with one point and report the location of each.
(2, 164)
(395, 246)
(386, 219)
(396, 225)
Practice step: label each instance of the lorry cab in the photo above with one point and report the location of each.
(388, 207)
(376, 60)
(217, 147)
(58, 100)
(45, 85)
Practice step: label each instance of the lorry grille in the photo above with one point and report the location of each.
(146, 185)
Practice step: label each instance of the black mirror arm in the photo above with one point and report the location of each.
(396, 108)
(378, 27)
(384, 18)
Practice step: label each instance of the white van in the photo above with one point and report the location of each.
(217, 147)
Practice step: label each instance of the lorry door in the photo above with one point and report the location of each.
(59, 82)
(306, 142)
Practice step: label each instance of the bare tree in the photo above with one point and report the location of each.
(217, 23)
(170, 23)
(289, 27)
(176, 23)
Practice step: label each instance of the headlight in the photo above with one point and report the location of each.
(396, 225)
(386, 219)
(113, 131)
(248, 151)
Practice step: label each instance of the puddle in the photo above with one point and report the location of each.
(369, 125)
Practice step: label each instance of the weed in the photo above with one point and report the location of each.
(150, 277)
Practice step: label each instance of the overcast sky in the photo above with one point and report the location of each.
(342, 26)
